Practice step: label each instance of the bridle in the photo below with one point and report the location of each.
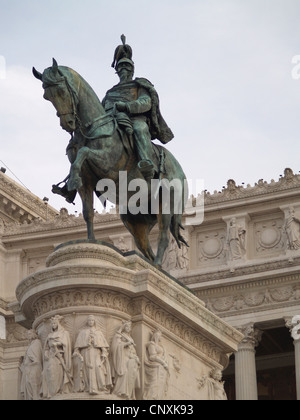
(75, 101)
(73, 95)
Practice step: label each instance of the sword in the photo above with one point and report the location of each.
(161, 171)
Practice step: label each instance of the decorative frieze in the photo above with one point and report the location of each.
(75, 354)
(241, 299)
(106, 302)
(83, 297)
(92, 364)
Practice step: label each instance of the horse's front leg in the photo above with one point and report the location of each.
(75, 181)
(87, 197)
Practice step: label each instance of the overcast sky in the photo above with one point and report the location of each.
(222, 68)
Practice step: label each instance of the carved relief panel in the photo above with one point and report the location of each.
(176, 258)
(268, 236)
(34, 260)
(157, 372)
(211, 246)
(81, 353)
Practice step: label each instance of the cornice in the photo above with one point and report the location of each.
(48, 219)
(60, 222)
(262, 191)
(19, 196)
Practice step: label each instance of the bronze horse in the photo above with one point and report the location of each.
(98, 151)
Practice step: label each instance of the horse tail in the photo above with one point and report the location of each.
(175, 230)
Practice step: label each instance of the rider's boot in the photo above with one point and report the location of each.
(64, 192)
(147, 169)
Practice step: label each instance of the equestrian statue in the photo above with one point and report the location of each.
(114, 137)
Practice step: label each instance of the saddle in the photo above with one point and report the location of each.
(106, 125)
(103, 126)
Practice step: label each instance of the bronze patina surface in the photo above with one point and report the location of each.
(114, 137)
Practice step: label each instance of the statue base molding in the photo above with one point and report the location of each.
(110, 319)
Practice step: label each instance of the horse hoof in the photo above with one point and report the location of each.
(74, 184)
(157, 265)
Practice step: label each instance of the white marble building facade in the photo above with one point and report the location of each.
(243, 262)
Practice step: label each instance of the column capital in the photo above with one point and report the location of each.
(252, 337)
(293, 324)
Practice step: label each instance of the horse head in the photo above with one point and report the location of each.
(59, 91)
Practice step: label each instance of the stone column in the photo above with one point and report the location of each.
(294, 326)
(2, 328)
(297, 363)
(245, 367)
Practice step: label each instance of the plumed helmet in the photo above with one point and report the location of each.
(125, 60)
(123, 53)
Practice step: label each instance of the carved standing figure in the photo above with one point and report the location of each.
(292, 228)
(57, 373)
(32, 368)
(156, 369)
(92, 350)
(176, 258)
(170, 257)
(215, 386)
(235, 240)
(125, 363)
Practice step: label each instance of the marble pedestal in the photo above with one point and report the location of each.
(92, 278)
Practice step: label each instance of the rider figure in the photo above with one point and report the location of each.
(139, 100)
